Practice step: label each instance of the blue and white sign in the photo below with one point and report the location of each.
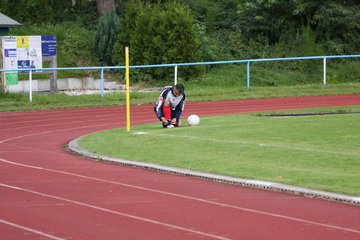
(23, 64)
(48, 45)
(10, 53)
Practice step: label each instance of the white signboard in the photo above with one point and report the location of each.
(29, 51)
(20, 52)
(10, 59)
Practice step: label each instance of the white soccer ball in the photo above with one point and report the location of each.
(193, 120)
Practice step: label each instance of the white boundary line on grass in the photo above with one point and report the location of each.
(310, 193)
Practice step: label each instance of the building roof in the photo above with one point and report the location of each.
(6, 22)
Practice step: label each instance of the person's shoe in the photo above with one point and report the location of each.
(167, 125)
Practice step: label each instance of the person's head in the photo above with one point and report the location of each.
(178, 89)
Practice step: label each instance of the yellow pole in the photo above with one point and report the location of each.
(127, 75)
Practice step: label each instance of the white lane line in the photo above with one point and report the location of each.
(148, 220)
(54, 114)
(117, 124)
(191, 198)
(95, 119)
(54, 131)
(30, 230)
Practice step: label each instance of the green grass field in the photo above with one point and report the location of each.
(318, 152)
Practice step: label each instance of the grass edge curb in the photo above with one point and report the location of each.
(265, 185)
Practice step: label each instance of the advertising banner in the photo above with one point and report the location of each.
(48, 45)
(10, 59)
(29, 51)
(23, 52)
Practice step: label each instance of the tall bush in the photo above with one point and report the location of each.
(160, 33)
(105, 37)
(128, 23)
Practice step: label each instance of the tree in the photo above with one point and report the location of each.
(336, 23)
(105, 6)
(105, 37)
(133, 9)
(36, 12)
(159, 33)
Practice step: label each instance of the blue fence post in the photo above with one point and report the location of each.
(102, 83)
(175, 74)
(248, 75)
(324, 71)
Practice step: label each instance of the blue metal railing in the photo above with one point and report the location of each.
(176, 65)
(248, 61)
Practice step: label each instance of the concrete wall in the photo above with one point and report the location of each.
(64, 84)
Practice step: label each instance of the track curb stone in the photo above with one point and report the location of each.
(309, 193)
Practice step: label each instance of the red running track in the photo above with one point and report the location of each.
(48, 193)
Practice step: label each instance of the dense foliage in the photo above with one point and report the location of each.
(105, 37)
(158, 33)
(170, 31)
(334, 23)
(36, 12)
(259, 27)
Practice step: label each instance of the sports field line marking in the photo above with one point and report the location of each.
(68, 129)
(55, 118)
(57, 124)
(191, 198)
(307, 149)
(30, 230)
(56, 113)
(148, 220)
(54, 131)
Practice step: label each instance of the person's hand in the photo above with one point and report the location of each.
(164, 120)
(173, 121)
